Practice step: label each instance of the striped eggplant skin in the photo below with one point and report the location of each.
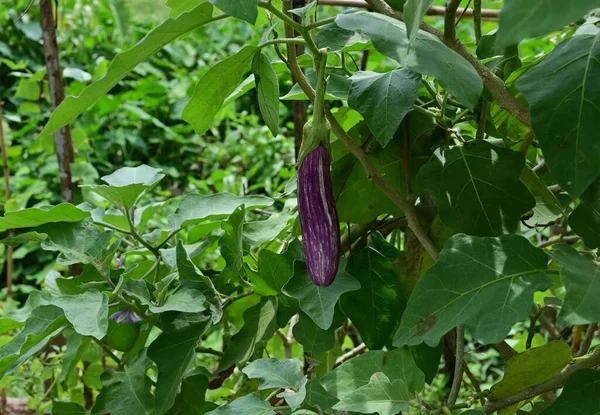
(318, 217)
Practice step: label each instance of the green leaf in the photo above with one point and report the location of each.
(428, 55)
(248, 405)
(216, 85)
(317, 395)
(427, 359)
(242, 9)
(532, 367)
(195, 208)
(124, 62)
(306, 11)
(44, 323)
(376, 308)
(384, 99)
(68, 408)
(80, 242)
(580, 275)
(477, 188)
(257, 232)
(319, 302)
(173, 351)
(76, 343)
(341, 40)
(414, 11)
(29, 218)
(280, 374)
(314, 339)
(379, 395)
(259, 324)
(565, 110)
(357, 372)
(126, 392)
(267, 90)
(24, 238)
(87, 312)
(274, 271)
(231, 246)
(185, 299)
(337, 87)
(486, 284)
(127, 185)
(77, 285)
(181, 6)
(585, 219)
(191, 399)
(516, 18)
(579, 396)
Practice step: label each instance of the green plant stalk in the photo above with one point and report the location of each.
(139, 237)
(293, 41)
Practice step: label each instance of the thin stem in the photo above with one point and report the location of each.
(458, 369)
(319, 101)
(292, 41)
(587, 340)
(427, 112)
(138, 237)
(230, 300)
(480, 134)
(169, 236)
(208, 350)
(562, 239)
(477, 20)
(109, 352)
(450, 20)
(114, 228)
(320, 23)
(360, 349)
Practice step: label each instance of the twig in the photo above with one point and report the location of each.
(287, 345)
(556, 382)
(477, 20)
(230, 300)
(460, 16)
(587, 340)
(360, 349)
(10, 249)
(535, 314)
(450, 21)
(474, 382)
(155, 251)
(458, 369)
(563, 239)
(549, 326)
(505, 350)
(264, 212)
(208, 350)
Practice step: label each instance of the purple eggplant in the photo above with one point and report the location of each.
(318, 217)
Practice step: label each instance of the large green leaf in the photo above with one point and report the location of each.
(24, 238)
(191, 398)
(126, 392)
(414, 10)
(185, 299)
(260, 323)
(248, 405)
(316, 301)
(274, 271)
(125, 186)
(563, 95)
(356, 372)
(486, 284)
(173, 351)
(124, 62)
(532, 367)
(376, 308)
(257, 232)
(87, 312)
(379, 395)
(477, 188)
(280, 374)
(76, 343)
(580, 275)
(68, 408)
(195, 208)
(317, 395)
(216, 85)
(341, 40)
(267, 90)
(579, 396)
(538, 17)
(585, 219)
(313, 338)
(242, 9)
(231, 245)
(32, 217)
(428, 55)
(384, 99)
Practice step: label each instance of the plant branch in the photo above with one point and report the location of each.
(565, 239)
(208, 350)
(556, 382)
(477, 20)
(155, 251)
(587, 340)
(450, 20)
(230, 300)
(288, 41)
(360, 349)
(458, 369)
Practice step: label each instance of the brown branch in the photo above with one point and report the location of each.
(556, 382)
(450, 20)
(477, 14)
(494, 84)
(458, 368)
(6, 169)
(486, 14)
(504, 349)
(587, 340)
(564, 239)
(360, 349)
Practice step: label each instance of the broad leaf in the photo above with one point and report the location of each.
(248, 405)
(274, 271)
(29, 218)
(173, 351)
(76, 343)
(124, 62)
(585, 219)
(341, 40)
(579, 396)
(185, 299)
(231, 246)
(532, 367)
(477, 188)
(68, 408)
(356, 372)
(486, 284)
(125, 186)
(87, 312)
(242, 9)
(267, 91)
(580, 274)
(280, 374)
(259, 324)
(384, 99)
(338, 87)
(565, 110)
(376, 308)
(257, 232)
(305, 11)
(428, 55)
(414, 11)
(516, 17)
(379, 395)
(126, 392)
(316, 301)
(216, 85)
(181, 6)
(195, 208)
(24, 238)
(314, 339)
(191, 398)
(317, 395)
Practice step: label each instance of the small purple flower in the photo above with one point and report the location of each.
(126, 316)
